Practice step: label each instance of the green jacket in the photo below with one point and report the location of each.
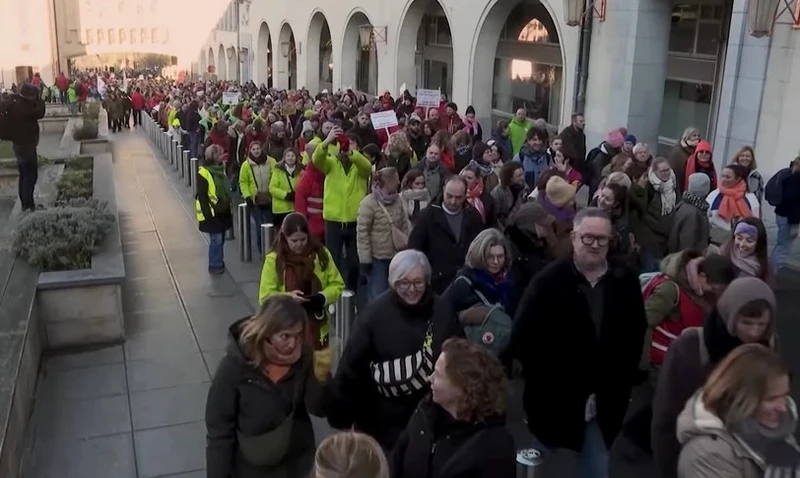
(517, 130)
(247, 182)
(72, 95)
(343, 190)
(281, 183)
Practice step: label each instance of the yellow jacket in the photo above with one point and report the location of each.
(343, 191)
(330, 280)
(281, 183)
(247, 181)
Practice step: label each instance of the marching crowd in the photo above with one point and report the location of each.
(475, 258)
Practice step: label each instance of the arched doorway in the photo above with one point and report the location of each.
(203, 67)
(222, 71)
(233, 64)
(264, 56)
(425, 48)
(287, 59)
(212, 69)
(519, 53)
(359, 61)
(319, 63)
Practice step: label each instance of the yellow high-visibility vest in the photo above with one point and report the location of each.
(212, 194)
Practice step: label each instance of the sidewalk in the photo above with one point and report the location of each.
(137, 410)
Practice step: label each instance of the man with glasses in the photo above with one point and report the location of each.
(444, 231)
(579, 331)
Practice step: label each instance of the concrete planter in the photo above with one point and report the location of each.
(54, 124)
(55, 109)
(95, 147)
(84, 307)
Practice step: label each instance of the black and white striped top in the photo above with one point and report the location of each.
(404, 376)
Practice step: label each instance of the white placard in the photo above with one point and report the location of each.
(383, 119)
(231, 97)
(428, 98)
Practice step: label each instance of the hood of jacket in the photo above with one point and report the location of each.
(674, 265)
(234, 349)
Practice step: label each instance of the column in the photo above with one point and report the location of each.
(627, 69)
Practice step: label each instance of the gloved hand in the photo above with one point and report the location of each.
(290, 196)
(316, 302)
(366, 268)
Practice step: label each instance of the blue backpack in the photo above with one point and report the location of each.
(494, 333)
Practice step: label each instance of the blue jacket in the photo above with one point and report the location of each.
(534, 163)
(503, 145)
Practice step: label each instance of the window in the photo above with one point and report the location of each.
(143, 35)
(112, 36)
(437, 30)
(133, 35)
(89, 38)
(532, 86)
(685, 104)
(101, 36)
(696, 29)
(123, 35)
(154, 35)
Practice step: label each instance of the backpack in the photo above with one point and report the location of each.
(494, 333)
(773, 192)
(6, 122)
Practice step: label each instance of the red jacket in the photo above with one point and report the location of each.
(690, 312)
(62, 82)
(251, 136)
(308, 199)
(137, 101)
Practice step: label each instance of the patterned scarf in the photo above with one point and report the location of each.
(696, 201)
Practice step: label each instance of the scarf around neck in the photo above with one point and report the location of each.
(775, 448)
(485, 169)
(221, 182)
(562, 215)
(383, 197)
(696, 201)
(666, 189)
(474, 199)
(733, 202)
(747, 265)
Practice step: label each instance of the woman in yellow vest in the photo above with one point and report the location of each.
(299, 265)
(213, 206)
(254, 184)
(282, 184)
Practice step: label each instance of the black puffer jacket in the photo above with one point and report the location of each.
(436, 445)
(24, 115)
(242, 399)
(388, 329)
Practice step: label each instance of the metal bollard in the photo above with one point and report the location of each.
(528, 460)
(175, 153)
(267, 236)
(184, 163)
(165, 141)
(189, 179)
(195, 168)
(344, 317)
(178, 155)
(245, 246)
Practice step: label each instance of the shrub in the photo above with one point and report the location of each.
(76, 180)
(88, 130)
(91, 111)
(63, 238)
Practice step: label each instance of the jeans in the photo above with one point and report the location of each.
(28, 167)
(194, 145)
(783, 244)
(137, 117)
(593, 457)
(260, 215)
(378, 280)
(216, 251)
(340, 239)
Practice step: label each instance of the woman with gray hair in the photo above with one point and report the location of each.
(680, 154)
(386, 365)
(481, 287)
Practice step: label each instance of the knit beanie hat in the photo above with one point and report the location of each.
(306, 127)
(699, 184)
(559, 191)
(630, 139)
(741, 292)
(277, 127)
(478, 150)
(615, 139)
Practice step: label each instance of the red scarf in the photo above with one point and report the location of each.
(733, 202)
(474, 199)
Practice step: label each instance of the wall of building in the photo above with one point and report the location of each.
(18, 47)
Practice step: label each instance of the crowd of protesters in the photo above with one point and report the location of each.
(474, 254)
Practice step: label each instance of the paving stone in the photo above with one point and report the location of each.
(169, 406)
(212, 331)
(213, 358)
(166, 372)
(191, 474)
(101, 457)
(87, 382)
(171, 450)
(169, 319)
(159, 343)
(223, 309)
(83, 418)
(92, 358)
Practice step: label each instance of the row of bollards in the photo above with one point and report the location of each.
(171, 149)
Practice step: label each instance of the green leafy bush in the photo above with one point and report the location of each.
(91, 112)
(64, 237)
(76, 180)
(88, 130)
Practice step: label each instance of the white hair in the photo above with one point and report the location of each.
(404, 262)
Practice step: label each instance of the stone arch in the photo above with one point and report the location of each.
(212, 64)
(203, 66)
(410, 69)
(318, 56)
(287, 58)
(222, 68)
(233, 64)
(264, 56)
(359, 65)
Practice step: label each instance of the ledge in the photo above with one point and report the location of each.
(107, 264)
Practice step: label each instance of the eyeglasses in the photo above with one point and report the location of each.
(588, 240)
(406, 285)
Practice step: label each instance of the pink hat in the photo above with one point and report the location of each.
(615, 139)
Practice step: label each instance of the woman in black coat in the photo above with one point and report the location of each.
(385, 367)
(459, 430)
(257, 411)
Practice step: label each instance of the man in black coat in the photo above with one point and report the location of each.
(579, 332)
(444, 231)
(21, 125)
